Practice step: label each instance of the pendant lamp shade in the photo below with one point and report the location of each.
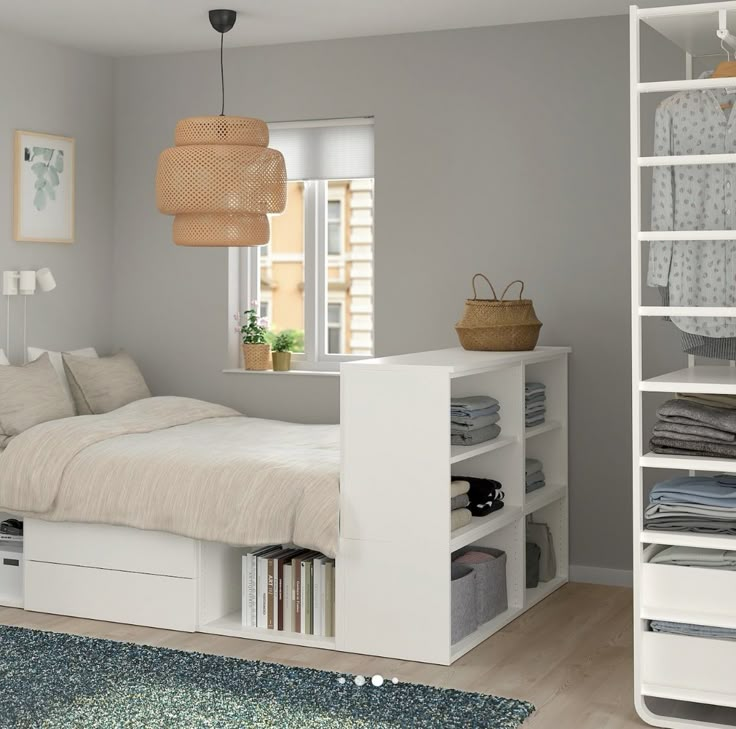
(220, 181)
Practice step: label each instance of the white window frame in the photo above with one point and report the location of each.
(342, 325)
(244, 287)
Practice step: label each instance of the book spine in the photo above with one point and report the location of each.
(309, 597)
(329, 599)
(317, 597)
(251, 590)
(303, 597)
(261, 592)
(279, 620)
(270, 609)
(287, 598)
(296, 608)
(244, 580)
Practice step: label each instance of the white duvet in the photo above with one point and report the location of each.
(182, 466)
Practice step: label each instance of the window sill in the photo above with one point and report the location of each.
(311, 373)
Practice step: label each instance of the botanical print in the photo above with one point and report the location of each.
(44, 187)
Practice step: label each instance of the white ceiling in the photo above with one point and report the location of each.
(137, 27)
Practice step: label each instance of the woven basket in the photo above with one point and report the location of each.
(257, 356)
(498, 325)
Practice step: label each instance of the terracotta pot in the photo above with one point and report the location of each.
(257, 356)
(281, 361)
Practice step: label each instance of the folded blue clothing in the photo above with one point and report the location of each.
(705, 490)
(534, 419)
(535, 486)
(464, 415)
(533, 387)
(532, 465)
(534, 477)
(471, 403)
(463, 426)
(473, 437)
(536, 407)
(536, 397)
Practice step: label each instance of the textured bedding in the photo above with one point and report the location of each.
(182, 466)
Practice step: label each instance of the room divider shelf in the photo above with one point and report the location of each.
(540, 429)
(686, 463)
(688, 539)
(393, 575)
(718, 379)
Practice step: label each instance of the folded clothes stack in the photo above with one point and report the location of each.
(714, 559)
(484, 494)
(535, 401)
(534, 475)
(473, 419)
(702, 504)
(696, 425)
(459, 501)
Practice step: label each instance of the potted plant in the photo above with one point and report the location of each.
(256, 349)
(281, 351)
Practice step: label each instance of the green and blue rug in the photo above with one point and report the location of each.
(55, 680)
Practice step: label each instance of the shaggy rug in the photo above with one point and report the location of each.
(59, 680)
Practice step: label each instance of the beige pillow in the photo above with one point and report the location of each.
(30, 395)
(102, 384)
(35, 352)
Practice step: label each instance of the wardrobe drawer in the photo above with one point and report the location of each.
(110, 547)
(695, 669)
(698, 595)
(118, 597)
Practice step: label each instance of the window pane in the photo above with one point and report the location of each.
(282, 272)
(350, 277)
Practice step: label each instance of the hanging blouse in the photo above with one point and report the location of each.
(696, 197)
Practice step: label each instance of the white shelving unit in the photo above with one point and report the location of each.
(393, 567)
(679, 681)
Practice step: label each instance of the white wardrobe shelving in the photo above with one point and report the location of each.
(395, 548)
(679, 681)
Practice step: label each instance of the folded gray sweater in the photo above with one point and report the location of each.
(684, 431)
(660, 444)
(713, 417)
(473, 437)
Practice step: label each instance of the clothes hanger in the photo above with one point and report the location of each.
(725, 69)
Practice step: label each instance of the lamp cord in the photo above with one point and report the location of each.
(222, 74)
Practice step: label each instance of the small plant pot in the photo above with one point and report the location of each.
(281, 361)
(257, 356)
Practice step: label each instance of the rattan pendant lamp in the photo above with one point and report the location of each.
(221, 180)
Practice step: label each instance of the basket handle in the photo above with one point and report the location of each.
(521, 292)
(475, 295)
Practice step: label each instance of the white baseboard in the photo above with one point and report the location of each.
(600, 575)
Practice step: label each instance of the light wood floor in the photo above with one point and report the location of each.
(570, 656)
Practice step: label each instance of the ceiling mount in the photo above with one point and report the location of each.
(223, 20)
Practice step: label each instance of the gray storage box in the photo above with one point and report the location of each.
(491, 597)
(464, 620)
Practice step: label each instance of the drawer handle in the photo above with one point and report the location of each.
(11, 562)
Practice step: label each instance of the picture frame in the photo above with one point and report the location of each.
(44, 188)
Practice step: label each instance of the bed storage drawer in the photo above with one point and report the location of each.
(699, 595)
(691, 669)
(112, 595)
(110, 547)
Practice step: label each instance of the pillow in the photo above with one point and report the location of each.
(34, 353)
(30, 395)
(102, 384)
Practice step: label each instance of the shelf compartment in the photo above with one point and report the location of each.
(688, 669)
(231, 625)
(543, 497)
(545, 427)
(533, 595)
(483, 632)
(460, 453)
(482, 526)
(717, 379)
(663, 596)
(687, 463)
(688, 539)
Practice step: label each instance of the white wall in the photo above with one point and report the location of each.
(502, 150)
(46, 88)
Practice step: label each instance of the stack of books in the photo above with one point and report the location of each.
(289, 589)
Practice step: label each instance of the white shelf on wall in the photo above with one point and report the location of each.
(396, 481)
(543, 497)
(545, 427)
(460, 453)
(692, 674)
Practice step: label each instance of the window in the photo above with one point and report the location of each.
(315, 278)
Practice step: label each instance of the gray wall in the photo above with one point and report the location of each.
(45, 88)
(503, 150)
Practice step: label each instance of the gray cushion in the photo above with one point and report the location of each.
(104, 384)
(30, 395)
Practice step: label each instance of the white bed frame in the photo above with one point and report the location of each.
(393, 565)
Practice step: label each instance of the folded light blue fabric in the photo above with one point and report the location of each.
(719, 559)
(532, 388)
(461, 425)
(535, 477)
(698, 631)
(537, 407)
(532, 465)
(535, 486)
(534, 419)
(473, 437)
(471, 403)
(459, 414)
(706, 490)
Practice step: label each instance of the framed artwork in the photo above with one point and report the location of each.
(44, 188)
